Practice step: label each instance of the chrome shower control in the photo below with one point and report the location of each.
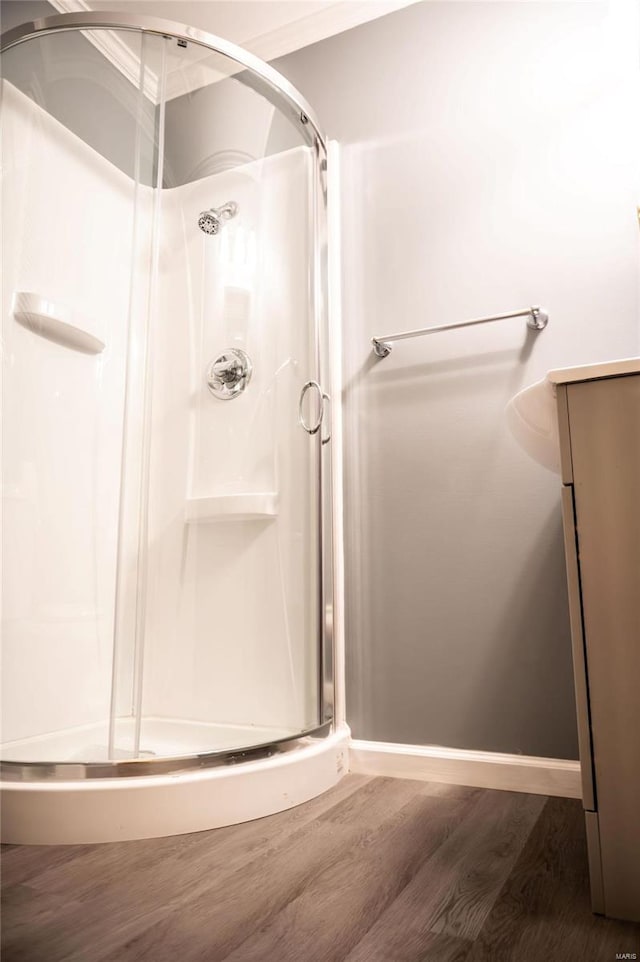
(229, 374)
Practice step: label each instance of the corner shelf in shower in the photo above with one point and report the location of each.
(53, 322)
(249, 506)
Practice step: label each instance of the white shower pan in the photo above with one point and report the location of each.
(159, 738)
(122, 809)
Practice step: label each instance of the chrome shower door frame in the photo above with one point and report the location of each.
(289, 99)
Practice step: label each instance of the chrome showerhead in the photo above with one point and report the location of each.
(211, 221)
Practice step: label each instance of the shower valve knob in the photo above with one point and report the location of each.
(229, 374)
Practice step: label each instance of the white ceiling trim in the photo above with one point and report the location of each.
(334, 18)
(114, 49)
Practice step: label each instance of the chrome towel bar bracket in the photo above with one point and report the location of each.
(537, 320)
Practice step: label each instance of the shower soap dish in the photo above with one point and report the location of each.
(254, 506)
(53, 322)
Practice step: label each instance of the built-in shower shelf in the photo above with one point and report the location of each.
(250, 506)
(53, 322)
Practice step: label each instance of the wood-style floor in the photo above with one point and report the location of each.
(377, 870)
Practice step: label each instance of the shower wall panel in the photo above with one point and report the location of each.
(229, 624)
(69, 213)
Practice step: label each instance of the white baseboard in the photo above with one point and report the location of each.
(515, 773)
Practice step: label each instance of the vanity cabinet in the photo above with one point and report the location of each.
(599, 427)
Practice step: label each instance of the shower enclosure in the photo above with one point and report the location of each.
(167, 527)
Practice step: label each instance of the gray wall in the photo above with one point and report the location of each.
(220, 126)
(489, 162)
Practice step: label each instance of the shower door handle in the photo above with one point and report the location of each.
(326, 399)
(311, 428)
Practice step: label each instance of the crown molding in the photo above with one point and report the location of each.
(114, 49)
(333, 19)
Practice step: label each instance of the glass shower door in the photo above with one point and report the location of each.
(233, 593)
(166, 553)
(78, 150)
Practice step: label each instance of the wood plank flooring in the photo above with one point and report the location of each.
(377, 870)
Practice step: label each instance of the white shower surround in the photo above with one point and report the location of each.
(62, 489)
(59, 811)
(245, 288)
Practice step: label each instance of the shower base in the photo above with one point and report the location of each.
(160, 737)
(60, 812)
